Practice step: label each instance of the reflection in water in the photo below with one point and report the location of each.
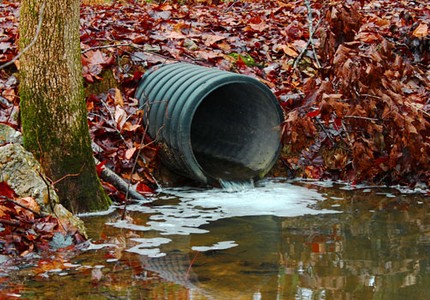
(379, 248)
(368, 244)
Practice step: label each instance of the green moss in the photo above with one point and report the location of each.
(101, 86)
(246, 58)
(79, 187)
(68, 163)
(33, 9)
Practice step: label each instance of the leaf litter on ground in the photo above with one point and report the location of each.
(355, 90)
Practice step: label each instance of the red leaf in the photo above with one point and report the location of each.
(314, 113)
(144, 189)
(6, 190)
(100, 166)
(337, 123)
(381, 160)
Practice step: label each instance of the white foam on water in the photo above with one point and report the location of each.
(110, 210)
(149, 246)
(124, 224)
(150, 252)
(92, 246)
(218, 246)
(420, 188)
(197, 207)
(268, 198)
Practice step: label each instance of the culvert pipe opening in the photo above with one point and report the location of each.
(211, 125)
(235, 132)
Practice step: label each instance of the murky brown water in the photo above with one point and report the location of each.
(376, 246)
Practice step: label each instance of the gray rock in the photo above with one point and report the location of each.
(9, 135)
(23, 173)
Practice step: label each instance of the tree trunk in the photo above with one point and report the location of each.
(53, 109)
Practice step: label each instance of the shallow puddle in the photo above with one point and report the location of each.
(279, 240)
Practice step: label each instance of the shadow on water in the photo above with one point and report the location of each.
(349, 244)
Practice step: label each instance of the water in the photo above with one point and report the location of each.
(236, 186)
(279, 240)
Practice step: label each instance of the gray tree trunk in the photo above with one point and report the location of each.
(53, 108)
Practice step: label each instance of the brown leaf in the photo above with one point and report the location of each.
(421, 31)
(128, 126)
(4, 211)
(130, 152)
(95, 58)
(30, 203)
(210, 39)
(287, 50)
(120, 117)
(118, 97)
(175, 35)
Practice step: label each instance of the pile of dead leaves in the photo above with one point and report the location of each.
(120, 141)
(366, 117)
(24, 229)
(352, 76)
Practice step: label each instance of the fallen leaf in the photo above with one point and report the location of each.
(30, 203)
(129, 153)
(100, 167)
(210, 39)
(119, 100)
(120, 117)
(289, 51)
(5, 46)
(128, 126)
(6, 190)
(144, 189)
(314, 113)
(421, 31)
(175, 35)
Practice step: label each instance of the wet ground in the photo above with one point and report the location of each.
(279, 240)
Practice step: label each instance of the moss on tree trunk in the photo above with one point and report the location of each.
(53, 108)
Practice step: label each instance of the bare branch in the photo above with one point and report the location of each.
(107, 46)
(116, 180)
(311, 37)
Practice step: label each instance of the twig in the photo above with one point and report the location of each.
(311, 36)
(10, 222)
(132, 45)
(406, 103)
(347, 134)
(312, 31)
(230, 6)
(360, 117)
(116, 180)
(369, 95)
(33, 41)
(66, 176)
(107, 46)
(22, 206)
(48, 187)
(325, 131)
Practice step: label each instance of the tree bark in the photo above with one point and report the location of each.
(53, 109)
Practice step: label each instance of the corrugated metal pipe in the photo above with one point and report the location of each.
(211, 125)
